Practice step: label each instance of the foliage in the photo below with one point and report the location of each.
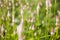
(40, 22)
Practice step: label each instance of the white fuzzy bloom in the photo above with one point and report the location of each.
(8, 14)
(35, 34)
(21, 11)
(27, 2)
(52, 32)
(1, 31)
(16, 4)
(57, 20)
(19, 29)
(2, 36)
(10, 4)
(3, 17)
(32, 27)
(13, 20)
(58, 12)
(1, 4)
(5, 30)
(2, 28)
(48, 4)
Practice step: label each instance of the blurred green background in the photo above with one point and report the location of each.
(41, 19)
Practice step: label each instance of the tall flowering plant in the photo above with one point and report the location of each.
(29, 20)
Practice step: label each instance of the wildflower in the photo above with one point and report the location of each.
(2, 17)
(2, 36)
(8, 14)
(10, 4)
(1, 4)
(35, 34)
(57, 20)
(48, 4)
(21, 11)
(32, 27)
(26, 2)
(16, 4)
(2, 28)
(58, 12)
(19, 29)
(32, 20)
(38, 7)
(52, 32)
(1, 31)
(5, 30)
